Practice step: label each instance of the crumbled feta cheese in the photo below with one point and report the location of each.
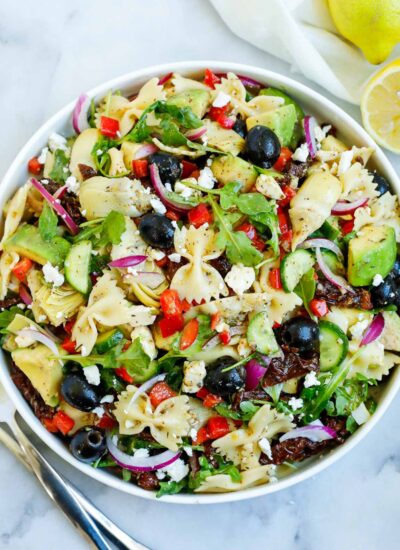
(206, 178)
(107, 399)
(155, 254)
(56, 141)
(221, 327)
(265, 447)
(21, 306)
(129, 424)
(84, 351)
(267, 186)
(92, 374)
(146, 339)
(141, 453)
(83, 212)
(193, 434)
(72, 184)
(221, 100)
(177, 470)
(358, 329)
(132, 271)
(377, 280)
(52, 275)
(188, 450)
(43, 155)
(361, 414)
(59, 315)
(24, 340)
(174, 225)
(158, 206)
(99, 411)
(320, 133)
(194, 373)
(311, 380)
(176, 258)
(183, 190)
(301, 153)
(168, 187)
(345, 162)
(42, 318)
(240, 278)
(295, 403)
(99, 152)
(160, 474)
(44, 181)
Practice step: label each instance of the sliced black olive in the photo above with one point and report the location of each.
(157, 230)
(240, 127)
(169, 167)
(88, 445)
(382, 185)
(301, 333)
(77, 391)
(262, 146)
(223, 383)
(386, 294)
(395, 273)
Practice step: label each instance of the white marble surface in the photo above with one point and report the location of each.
(50, 51)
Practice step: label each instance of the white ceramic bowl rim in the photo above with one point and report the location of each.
(132, 81)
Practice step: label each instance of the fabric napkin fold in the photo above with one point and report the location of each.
(302, 33)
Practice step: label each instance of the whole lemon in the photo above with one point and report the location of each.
(372, 25)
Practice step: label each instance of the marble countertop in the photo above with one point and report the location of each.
(50, 52)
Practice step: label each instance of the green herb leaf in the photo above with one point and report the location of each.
(135, 360)
(306, 290)
(112, 228)
(206, 470)
(101, 157)
(60, 170)
(48, 221)
(7, 316)
(171, 487)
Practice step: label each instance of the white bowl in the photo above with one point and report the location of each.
(313, 103)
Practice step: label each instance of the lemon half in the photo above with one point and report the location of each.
(380, 106)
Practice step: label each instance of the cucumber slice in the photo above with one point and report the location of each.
(329, 231)
(333, 262)
(108, 340)
(334, 345)
(294, 266)
(77, 265)
(260, 334)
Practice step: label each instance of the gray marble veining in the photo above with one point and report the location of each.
(49, 53)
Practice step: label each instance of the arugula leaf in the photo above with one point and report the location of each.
(48, 221)
(274, 392)
(101, 157)
(112, 228)
(206, 470)
(7, 316)
(306, 290)
(136, 361)
(60, 170)
(171, 487)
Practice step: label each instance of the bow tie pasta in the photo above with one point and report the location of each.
(223, 483)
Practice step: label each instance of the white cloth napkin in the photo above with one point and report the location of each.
(302, 33)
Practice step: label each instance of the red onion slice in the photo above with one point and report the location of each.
(39, 337)
(254, 373)
(146, 386)
(141, 464)
(127, 261)
(374, 330)
(315, 432)
(342, 207)
(211, 343)
(323, 243)
(164, 79)
(60, 192)
(336, 280)
(245, 80)
(160, 190)
(69, 222)
(145, 151)
(196, 133)
(309, 130)
(79, 114)
(24, 294)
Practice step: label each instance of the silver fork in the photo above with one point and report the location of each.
(88, 519)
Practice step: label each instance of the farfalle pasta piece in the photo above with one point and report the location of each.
(117, 164)
(357, 182)
(8, 260)
(56, 304)
(99, 195)
(383, 210)
(241, 446)
(312, 205)
(197, 280)
(108, 307)
(15, 210)
(168, 423)
(182, 84)
(81, 152)
(222, 483)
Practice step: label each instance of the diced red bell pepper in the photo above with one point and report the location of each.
(124, 374)
(69, 345)
(276, 325)
(289, 194)
(252, 234)
(106, 422)
(215, 319)
(170, 325)
(187, 168)
(346, 226)
(140, 168)
(50, 425)
(202, 436)
(319, 307)
(199, 215)
(189, 334)
(163, 262)
(172, 215)
(34, 166)
(69, 325)
(284, 157)
(63, 422)
(211, 400)
(274, 278)
(21, 268)
(109, 127)
(226, 121)
(217, 426)
(215, 112)
(195, 174)
(202, 393)
(160, 392)
(283, 221)
(225, 337)
(185, 306)
(211, 79)
(170, 303)
(286, 238)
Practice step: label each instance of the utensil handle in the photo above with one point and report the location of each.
(59, 491)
